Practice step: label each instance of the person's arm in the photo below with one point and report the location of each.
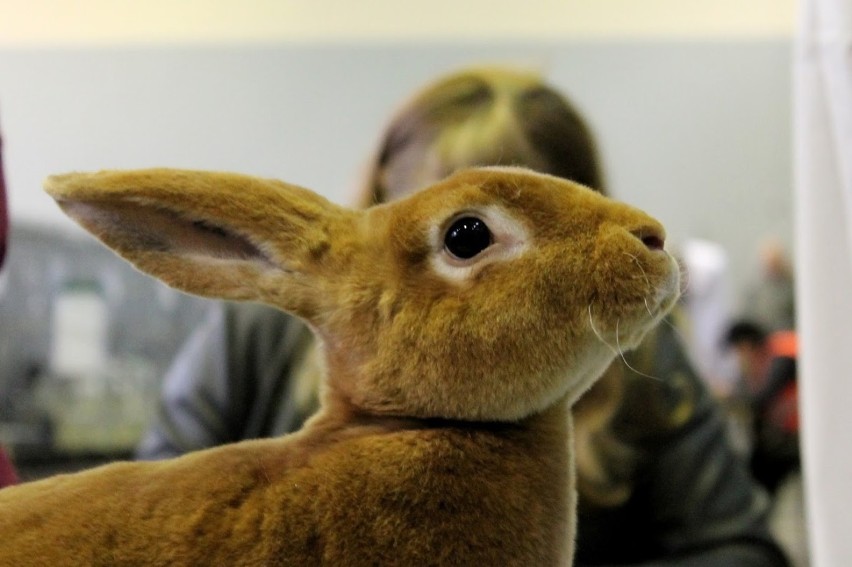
(707, 510)
(195, 402)
(232, 380)
(4, 214)
(8, 476)
(693, 502)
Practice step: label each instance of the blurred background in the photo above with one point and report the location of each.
(690, 101)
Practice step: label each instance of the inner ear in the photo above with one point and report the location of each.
(146, 227)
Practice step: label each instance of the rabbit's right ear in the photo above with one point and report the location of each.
(213, 234)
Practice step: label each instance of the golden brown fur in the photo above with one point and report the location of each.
(444, 432)
(483, 116)
(509, 116)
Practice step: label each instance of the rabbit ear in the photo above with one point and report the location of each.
(212, 234)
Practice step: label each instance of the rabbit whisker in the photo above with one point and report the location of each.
(624, 360)
(597, 333)
(618, 351)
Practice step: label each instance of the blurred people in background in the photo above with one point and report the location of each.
(768, 368)
(770, 301)
(769, 396)
(707, 303)
(7, 471)
(658, 482)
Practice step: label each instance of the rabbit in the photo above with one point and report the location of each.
(458, 326)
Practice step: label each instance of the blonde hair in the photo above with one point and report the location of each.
(507, 116)
(482, 116)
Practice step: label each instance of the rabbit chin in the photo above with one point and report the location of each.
(629, 336)
(564, 385)
(584, 377)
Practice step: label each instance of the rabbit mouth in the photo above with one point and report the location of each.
(627, 331)
(654, 310)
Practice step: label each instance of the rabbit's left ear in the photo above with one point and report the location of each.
(212, 234)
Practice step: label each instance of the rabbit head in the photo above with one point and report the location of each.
(488, 296)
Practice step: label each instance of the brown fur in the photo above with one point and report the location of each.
(444, 433)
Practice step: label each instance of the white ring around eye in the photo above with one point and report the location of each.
(511, 238)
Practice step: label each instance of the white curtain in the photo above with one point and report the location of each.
(823, 203)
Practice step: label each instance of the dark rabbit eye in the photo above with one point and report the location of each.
(467, 237)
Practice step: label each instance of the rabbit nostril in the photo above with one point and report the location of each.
(652, 238)
(653, 242)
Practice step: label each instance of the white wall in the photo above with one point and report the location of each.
(696, 132)
(823, 152)
(690, 98)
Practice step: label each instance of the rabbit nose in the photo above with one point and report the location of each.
(652, 237)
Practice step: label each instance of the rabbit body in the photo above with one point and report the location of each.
(444, 436)
(371, 494)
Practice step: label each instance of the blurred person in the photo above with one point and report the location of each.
(770, 301)
(8, 474)
(706, 305)
(768, 367)
(658, 482)
(770, 396)
(4, 214)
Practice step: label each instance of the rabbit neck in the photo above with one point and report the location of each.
(528, 463)
(339, 414)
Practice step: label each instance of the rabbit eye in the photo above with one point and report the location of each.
(467, 237)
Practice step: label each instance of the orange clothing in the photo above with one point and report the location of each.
(783, 343)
